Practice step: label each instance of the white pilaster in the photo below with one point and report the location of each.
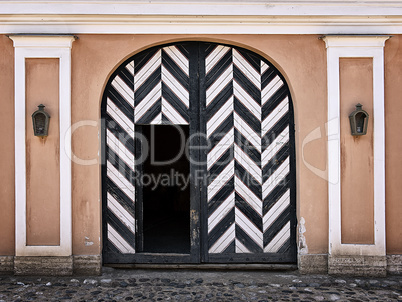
(43, 47)
(355, 47)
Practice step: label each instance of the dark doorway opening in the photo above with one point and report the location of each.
(166, 190)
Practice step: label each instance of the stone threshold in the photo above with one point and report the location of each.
(209, 266)
(307, 264)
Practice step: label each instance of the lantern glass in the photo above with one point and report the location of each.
(360, 119)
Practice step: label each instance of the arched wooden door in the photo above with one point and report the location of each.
(240, 145)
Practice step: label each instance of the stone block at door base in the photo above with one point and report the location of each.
(313, 264)
(87, 264)
(49, 266)
(6, 264)
(365, 266)
(394, 264)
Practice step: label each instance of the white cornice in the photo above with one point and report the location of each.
(129, 24)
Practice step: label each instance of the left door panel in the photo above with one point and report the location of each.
(158, 86)
(118, 167)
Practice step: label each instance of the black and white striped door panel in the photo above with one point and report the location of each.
(248, 120)
(153, 88)
(120, 188)
(161, 87)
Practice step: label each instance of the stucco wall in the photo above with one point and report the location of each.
(393, 144)
(357, 164)
(6, 146)
(301, 59)
(42, 154)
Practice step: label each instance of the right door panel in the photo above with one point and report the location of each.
(250, 159)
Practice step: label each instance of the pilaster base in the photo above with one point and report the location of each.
(313, 264)
(365, 266)
(49, 266)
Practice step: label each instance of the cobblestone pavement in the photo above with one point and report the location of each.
(189, 285)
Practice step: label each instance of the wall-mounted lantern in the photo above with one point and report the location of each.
(40, 120)
(358, 121)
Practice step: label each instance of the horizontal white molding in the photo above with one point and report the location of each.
(174, 24)
(201, 17)
(206, 8)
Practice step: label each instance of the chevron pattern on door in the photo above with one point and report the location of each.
(248, 160)
(119, 149)
(161, 87)
(275, 162)
(151, 89)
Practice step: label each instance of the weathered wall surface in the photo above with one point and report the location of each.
(7, 147)
(42, 154)
(393, 144)
(357, 163)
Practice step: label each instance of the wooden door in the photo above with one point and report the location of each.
(241, 144)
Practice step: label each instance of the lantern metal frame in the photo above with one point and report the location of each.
(40, 121)
(358, 121)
